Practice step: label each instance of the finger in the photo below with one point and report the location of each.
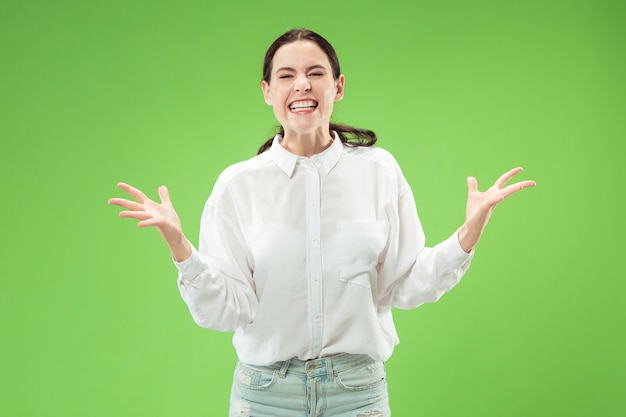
(519, 186)
(127, 204)
(164, 194)
(145, 223)
(137, 215)
(472, 185)
(506, 177)
(136, 193)
(148, 222)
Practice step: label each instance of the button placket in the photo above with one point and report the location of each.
(314, 258)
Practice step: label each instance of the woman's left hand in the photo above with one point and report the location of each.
(480, 205)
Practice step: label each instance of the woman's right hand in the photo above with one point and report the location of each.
(160, 215)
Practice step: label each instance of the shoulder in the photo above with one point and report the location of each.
(249, 167)
(241, 168)
(380, 163)
(372, 153)
(376, 156)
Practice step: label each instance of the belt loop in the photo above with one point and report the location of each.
(329, 369)
(283, 368)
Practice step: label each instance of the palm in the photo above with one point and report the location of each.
(480, 205)
(150, 213)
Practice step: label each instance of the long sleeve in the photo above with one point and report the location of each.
(412, 274)
(216, 282)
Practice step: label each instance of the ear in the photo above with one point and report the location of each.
(341, 82)
(265, 86)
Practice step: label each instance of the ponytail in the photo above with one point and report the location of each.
(351, 136)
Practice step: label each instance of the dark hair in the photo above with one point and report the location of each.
(349, 135)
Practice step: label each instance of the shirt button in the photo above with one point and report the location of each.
(315, 238)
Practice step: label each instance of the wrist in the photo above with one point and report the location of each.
(466, 239)
(180, 248)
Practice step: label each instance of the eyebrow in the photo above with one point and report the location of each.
(312, 67)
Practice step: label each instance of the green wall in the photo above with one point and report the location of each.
(158, 92)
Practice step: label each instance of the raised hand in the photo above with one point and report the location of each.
(160, 215)
(480, 205)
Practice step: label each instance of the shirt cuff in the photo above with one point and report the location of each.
(454, 252)
(191, 266)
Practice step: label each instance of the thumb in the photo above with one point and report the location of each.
(164, 194)
(472, 184)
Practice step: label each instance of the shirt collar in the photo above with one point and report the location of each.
(287, 161)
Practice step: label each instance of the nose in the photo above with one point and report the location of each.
(302, 84)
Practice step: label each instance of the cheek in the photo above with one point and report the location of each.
(279, 113)
(329, 102)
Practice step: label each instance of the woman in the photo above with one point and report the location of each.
(305, 248)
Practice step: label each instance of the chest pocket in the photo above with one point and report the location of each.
(361, 246)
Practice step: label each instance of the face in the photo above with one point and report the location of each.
(302, 89)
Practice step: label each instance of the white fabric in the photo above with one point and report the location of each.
(305, 257)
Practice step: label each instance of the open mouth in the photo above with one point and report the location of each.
(303, 106)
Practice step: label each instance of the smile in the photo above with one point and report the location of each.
(303, 106)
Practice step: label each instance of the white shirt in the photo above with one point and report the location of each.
(305, 257)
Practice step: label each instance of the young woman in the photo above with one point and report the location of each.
(306, 248)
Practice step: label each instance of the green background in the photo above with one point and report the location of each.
(157, 92)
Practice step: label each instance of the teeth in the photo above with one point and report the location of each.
(303, 105)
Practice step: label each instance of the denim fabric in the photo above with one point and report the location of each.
(339, 386)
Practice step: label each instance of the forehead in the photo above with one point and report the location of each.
(298, 54)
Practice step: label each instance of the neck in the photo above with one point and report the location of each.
(307, 144)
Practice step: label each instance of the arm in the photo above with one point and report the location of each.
(216, 283)
(414, 274)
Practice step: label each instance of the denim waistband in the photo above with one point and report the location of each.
(318, 367)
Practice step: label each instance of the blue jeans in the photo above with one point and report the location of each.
(339, 386)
